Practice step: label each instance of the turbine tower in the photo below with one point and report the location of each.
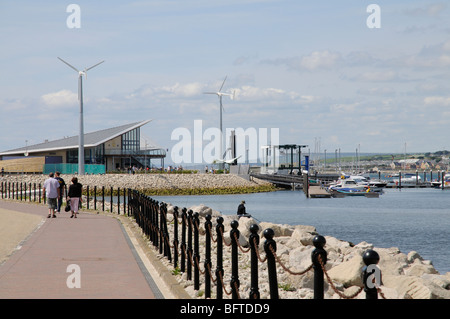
(220, 94)
(80, 98)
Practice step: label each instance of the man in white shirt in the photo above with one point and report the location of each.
(51, 190)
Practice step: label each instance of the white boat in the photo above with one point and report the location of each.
(356, 182)
(348, 183)
(438, 184)
(375, 182)
(407, 179)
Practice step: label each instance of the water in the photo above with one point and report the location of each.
(410, 219)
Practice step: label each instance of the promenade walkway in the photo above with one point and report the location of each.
(44, 257)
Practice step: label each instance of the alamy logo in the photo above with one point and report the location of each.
(74, 279)
(374, 279)
(374, 19)
(74, 19)
(205, 146)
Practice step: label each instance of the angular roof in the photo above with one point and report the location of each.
(90, 140)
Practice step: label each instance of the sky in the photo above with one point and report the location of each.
(327, 74)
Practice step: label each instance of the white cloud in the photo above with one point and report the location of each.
(61, 98)
(313, 61)
(432, 10)
(377, 76)
(437, 101)
(319, 59)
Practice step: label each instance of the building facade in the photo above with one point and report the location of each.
(117, 148)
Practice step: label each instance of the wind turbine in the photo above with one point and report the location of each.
(220, 94)
(80, 98)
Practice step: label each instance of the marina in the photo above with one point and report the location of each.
(413, 219)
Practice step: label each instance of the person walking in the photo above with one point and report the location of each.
(74, 195)
(51, 190)
(62, 188)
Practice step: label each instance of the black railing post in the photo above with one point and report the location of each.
(40, 195)
(207, 264)
(103, 198)
(161, 229)
(318, 253)
(219, 266)
(196, 257)
(183, 239)
(189, 247)
(111, 199)
(234, 236)
(118, 200)
(124, 201)
(175, 237)
(270, 245)
(371, 274)
(95, 197)
(87, 199)
(146, 217)
(166, 234)
(254, 243)
(155, 210)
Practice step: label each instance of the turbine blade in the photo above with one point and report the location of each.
(71, 66)
(223, 83)
(93, 66)
(209, 92)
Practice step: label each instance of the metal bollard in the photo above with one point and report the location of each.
(371, 274)
(183, 239)
(319, 242)
(111, 199)
(270, 245)
(87, 195)
(234, 236)
(207, 263)
(196, 256)
(103, 198)
(254, 243)
(189, 247)
(219, 267)
(161, 229)
(155, 210)
(118, 200)
(175, 237)
(95, 198)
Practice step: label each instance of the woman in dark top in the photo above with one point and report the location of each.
(74, 196)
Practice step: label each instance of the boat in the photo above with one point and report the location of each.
(407, 179)
(342, 192)
(355, 182)
(348, 183)
(374, 182)
(438, 184)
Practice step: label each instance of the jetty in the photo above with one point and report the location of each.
(317, 192)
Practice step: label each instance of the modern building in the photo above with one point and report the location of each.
(116, 148)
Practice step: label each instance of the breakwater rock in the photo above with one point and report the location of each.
(404, 276)
(160, 184)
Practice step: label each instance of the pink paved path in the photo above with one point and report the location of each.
(96, 243)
